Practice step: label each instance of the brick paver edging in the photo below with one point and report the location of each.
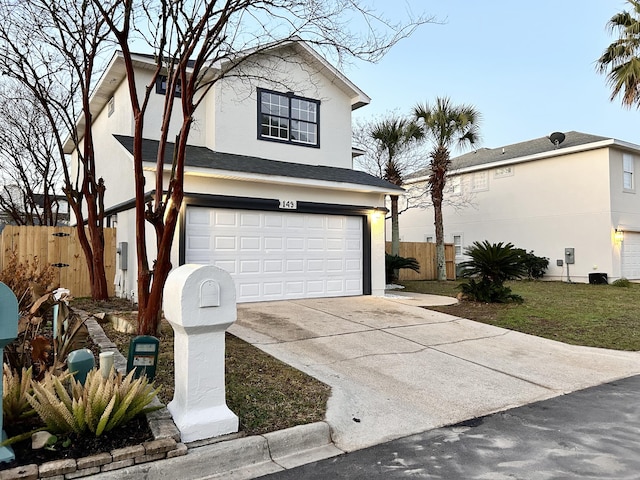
(165, 443)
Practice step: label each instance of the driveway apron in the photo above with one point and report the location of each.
(397, 369)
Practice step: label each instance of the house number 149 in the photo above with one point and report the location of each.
(288, 204)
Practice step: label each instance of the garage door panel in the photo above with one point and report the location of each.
(631, 255)
(250, 243)
(279, 255)
(199, 242)
(224, 219)
(250, 220)
(274, 266)
(224, 243)
(295, 266)
(198, 217)
(228, 265)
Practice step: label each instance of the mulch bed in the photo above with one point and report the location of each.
(134, 432)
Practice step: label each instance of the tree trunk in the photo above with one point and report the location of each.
(440, 260)
(395, 226)
(437, 180)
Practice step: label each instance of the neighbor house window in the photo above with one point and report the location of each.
(504, 172)
(457, 244)
(479, 182)
(285, 117)
(628, 181)
(161, 86)
(455, 185)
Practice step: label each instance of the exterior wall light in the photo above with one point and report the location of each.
(618, 236)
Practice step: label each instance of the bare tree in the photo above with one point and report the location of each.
(29, 173)
(51, 47)
(197, 43)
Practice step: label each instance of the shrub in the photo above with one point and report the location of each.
(101, 404)
(621, 282)
(394, 263)
(37, 344)
(536, 266)
(490, 266)
(15, 388)
(27, 280)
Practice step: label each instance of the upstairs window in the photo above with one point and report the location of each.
(287, 118)
(628, 182)
(479, 182)
(161, 86)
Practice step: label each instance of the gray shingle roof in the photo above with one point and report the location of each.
(484, 156)
(205, 158)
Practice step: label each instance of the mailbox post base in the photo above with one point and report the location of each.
(203, 424)
(6, 453)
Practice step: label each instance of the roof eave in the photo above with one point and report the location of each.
(611, 142)
(283, 180)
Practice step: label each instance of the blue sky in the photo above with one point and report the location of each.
(527, 66)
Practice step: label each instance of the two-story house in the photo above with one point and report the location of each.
(270, 192)
(572, 191)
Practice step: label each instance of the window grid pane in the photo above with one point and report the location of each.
(290, 119)
(303, 132)
(274, 127)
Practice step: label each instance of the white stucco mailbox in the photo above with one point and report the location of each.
(200, 304)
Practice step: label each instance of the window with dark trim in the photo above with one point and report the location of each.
(161, 86)
(287, 118)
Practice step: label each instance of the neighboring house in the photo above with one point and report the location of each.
(580, 193)
(270, 192)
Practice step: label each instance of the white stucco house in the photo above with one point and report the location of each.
(580, 193)
(270, 192)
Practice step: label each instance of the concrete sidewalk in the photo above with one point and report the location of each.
(396, 369)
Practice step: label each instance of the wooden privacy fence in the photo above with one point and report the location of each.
(425, 254)
(60, 247)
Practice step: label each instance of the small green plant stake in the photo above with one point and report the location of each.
(8, 331)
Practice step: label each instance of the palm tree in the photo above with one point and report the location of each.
(620, 60)
(446, 126)
(393, 136)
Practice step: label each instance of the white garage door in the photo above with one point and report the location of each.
(278, 255)
(631, 255)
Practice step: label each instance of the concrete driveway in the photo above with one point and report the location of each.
(397, 369)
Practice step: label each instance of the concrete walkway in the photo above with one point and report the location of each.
(397, 369)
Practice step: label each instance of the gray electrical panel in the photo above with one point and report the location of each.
(569, 256)
(123, 255)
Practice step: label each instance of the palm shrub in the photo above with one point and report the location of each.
(100, 405)
(393, 263)
(490, 266)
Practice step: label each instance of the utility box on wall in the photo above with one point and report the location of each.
(569, 255)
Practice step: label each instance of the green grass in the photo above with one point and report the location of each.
(593, 315)
(266, 394)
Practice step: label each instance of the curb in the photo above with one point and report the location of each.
(241, 458)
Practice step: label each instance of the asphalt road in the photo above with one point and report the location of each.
(589, 434)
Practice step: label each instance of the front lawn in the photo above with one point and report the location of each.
(581, 314)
